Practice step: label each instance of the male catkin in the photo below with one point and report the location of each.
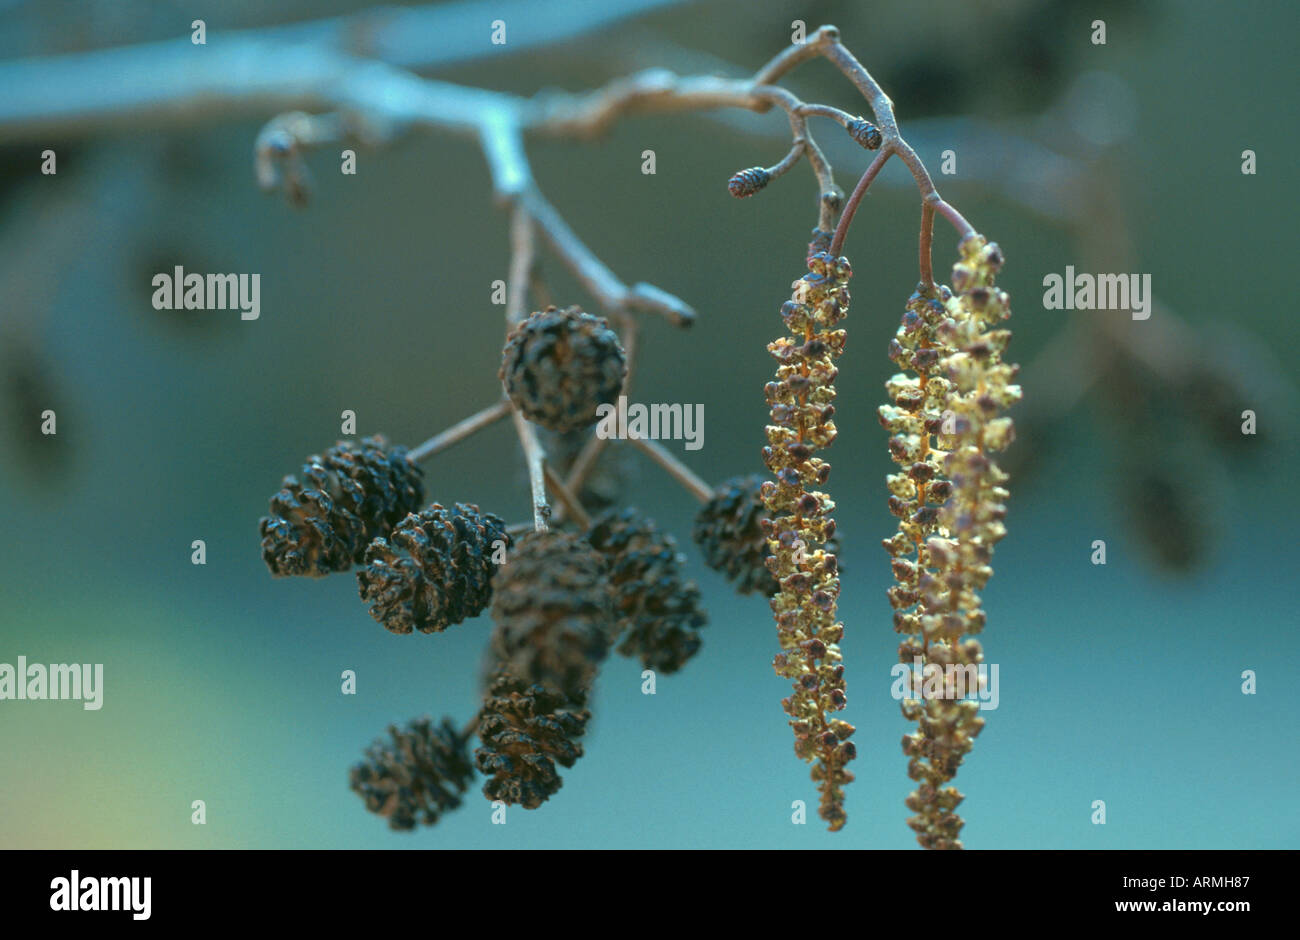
(808, 576)
(944, 423)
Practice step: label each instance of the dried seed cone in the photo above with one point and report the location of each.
(434, 570)
(416, 777)
(658, 613)
(559, 366)
(349, 496)
(729, 532)
(553, 612)
(525, 731)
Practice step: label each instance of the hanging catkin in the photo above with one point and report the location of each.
(800, 525)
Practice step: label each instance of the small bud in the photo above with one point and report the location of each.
(865, 133)
(940, 490)
(814, 349)
(747, 182)
(921, 472)
(843, 730)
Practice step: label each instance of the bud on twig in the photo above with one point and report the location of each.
(747, 182)
(865, 133)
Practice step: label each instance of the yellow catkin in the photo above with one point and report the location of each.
(945, 422)
(800, 524)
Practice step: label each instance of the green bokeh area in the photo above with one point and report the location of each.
(1119, 683)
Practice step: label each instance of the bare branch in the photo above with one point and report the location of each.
(675, 468)
(536, 459)
(260, 72)
(460, 431)
(585, 462)
(851, 208)
(568, 501)
(611, 293)
(523, 255)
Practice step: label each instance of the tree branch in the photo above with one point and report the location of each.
(257, 72)
(675, 468)
(460, 431)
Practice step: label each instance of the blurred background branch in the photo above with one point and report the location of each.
(239, 73)
(353, 77)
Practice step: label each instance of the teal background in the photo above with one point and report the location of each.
(1119, 683)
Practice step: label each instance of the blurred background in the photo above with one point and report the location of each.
(1119, 683)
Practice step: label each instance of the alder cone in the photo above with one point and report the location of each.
(346, 498)
(435, 569)
(526, 729)
(559, 366)
(729, 531)
(417, 776)
(659, 614)
(553, 612)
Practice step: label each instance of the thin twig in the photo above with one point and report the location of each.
(842, 118)
(585, 462)
(259, 72)
(460, 431)
(928, 207)
(675, 468)
(536, 459)
(653, 90)
(611, 293)
(851, 207)
(827, 43)
(924, 255)
(794, 54)
(541, 294)
(952, 215)
(523, 253)
(829, 196)
(568, 501)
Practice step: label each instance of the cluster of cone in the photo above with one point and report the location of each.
(560, 600)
